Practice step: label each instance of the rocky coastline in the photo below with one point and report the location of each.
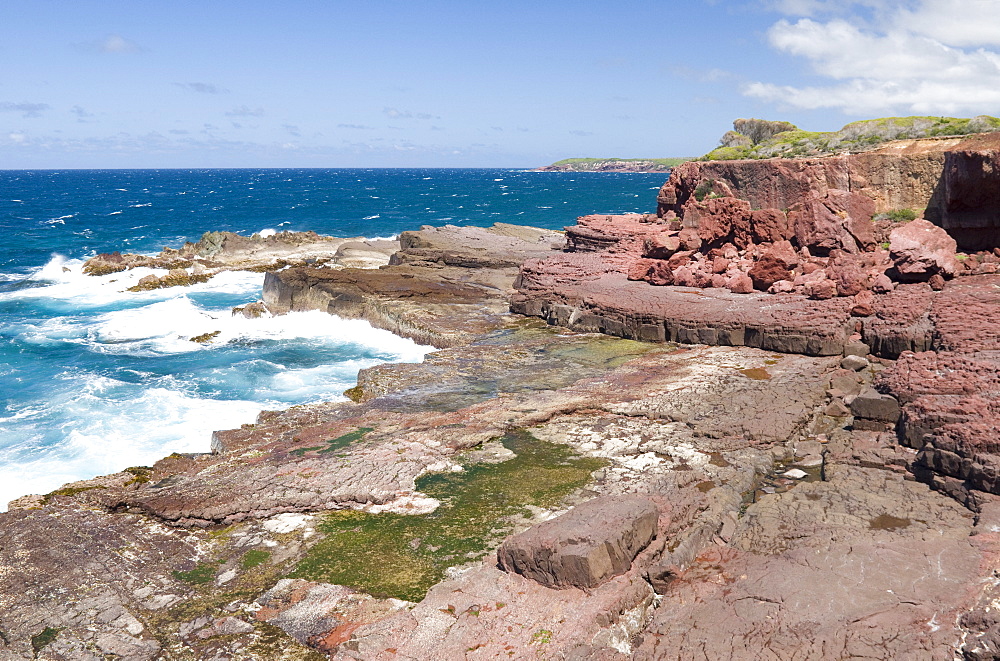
(756, 422)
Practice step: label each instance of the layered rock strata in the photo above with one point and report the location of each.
(949, 179)
(642, 500)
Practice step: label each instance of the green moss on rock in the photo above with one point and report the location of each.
(404, 555)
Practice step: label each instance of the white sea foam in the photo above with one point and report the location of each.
(104, 434)
(264, 233)
(65, 281)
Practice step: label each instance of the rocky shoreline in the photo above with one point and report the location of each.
(641, 461)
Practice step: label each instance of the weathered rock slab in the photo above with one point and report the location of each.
(584, 547)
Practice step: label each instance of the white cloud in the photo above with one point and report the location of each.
(919, 60)
(203, 88)
(115, 43)
(245, 111)
(26, 109)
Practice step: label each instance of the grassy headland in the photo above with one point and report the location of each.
(758, 138)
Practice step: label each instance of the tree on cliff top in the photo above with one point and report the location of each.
(759, 130)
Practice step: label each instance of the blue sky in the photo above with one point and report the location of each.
(309, 83)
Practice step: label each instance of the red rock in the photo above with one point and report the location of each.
(661, 246)
(821, 289)
(719, 219)
(838, 220)
(719, 265)
(882, 284)
(719, 280)
(775, 264)
(920, 249)
(936, 282)
(770, 226)
(781, 287)
(680, 258)
(848, 272)
(864, 304)
(660, 274)
(604, 232)
(740, 283)
(690, 239)
(640, 269)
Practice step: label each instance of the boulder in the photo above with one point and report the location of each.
(661, 246)
(873, 405)
(585, 547)
(776, 263)
(837, 220)
(920, 249)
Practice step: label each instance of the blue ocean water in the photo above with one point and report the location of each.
(94, 379)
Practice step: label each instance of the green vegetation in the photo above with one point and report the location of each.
(758, 138)
(704, 189)
(203, 572)
(404, 555)
(68, 491)
(39, 641)
(593, 164)
(254, 557)
(338, 443)
(897, 215)
(141, 474)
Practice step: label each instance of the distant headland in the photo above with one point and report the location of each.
(613, 165)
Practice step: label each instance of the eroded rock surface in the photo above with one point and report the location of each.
(659, 500)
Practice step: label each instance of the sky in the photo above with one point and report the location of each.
(442, 83)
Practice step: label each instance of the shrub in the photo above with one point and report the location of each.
(703, 189)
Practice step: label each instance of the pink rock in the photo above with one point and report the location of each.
(864, 304)
(719, 281)
(821, 289)
(781, 287)
(689, 239)
(936, 282)
(740, 284)
(659, 274)
(836, 221)
(661, 246)
(719, 265)
(639, 269)
(920, 249)
(769, 226)
(848, 272)
(882, 284)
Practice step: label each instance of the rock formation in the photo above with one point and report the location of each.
(809, 471)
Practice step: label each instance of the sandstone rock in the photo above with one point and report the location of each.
(864, 304)
(821, 290)
(741, 283)
(855, 363)
(936, 282)
(659, 274)
(839, 220)
(775, 264)
(770, 226)
(920, 249)
(584, 547)
(873, 405)
(689, 239)
(661, 246)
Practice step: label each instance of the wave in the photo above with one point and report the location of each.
(63, 280)
(105, 426)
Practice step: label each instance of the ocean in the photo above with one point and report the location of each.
(94, 379)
